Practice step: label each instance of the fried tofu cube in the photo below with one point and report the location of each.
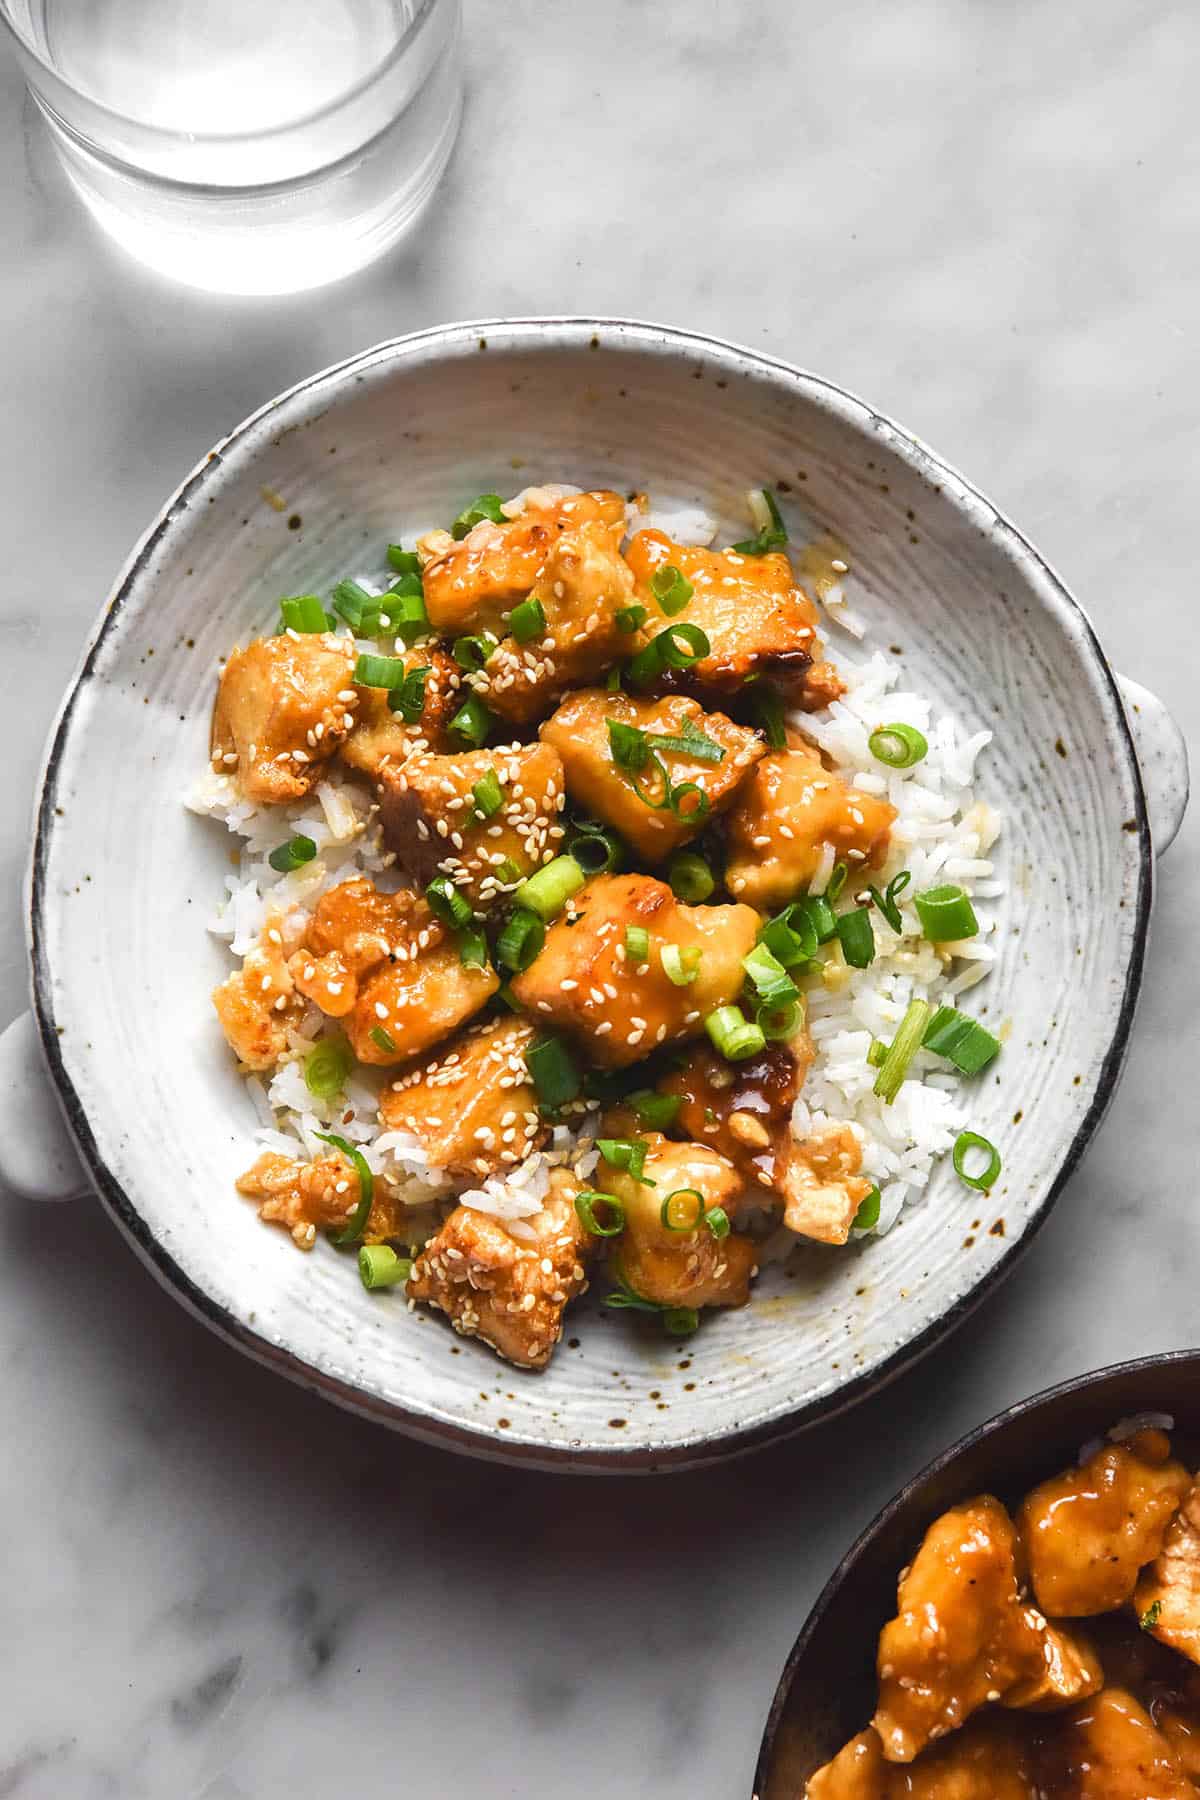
(678, 1268)
(258, 1004)
(1070, 1670)
(383, 739)
(987, 1760)
(821, 1185)
(473, 1108)
(584, 586)
(781, 821)
(755, 617)
(857, 1772)
(351, 934)
(322, 1195)
(1088, 1531)
(473, 585)
(1110, 1749)
(1167, 1597)
(431, 820)
(509, 1291)
(634, 802)
(284, 705)
(584, 984)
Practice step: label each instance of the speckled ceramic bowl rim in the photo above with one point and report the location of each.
(502, 334)
(1020, 1409)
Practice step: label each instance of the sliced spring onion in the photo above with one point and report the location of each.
(836, 882)
(553, 1071)
(946, 914)
(689, 802)
(771, 981)
(902, 1049)
(407, 612)
(292, 855)
(380, 671)
(326, 1067)
(355, 1227)
(733, 1035)
(487, 506)
(303, 612)
(488, 795)
(969, 1143)
(631, 618)
(898, 746)
(520, 941)
(671, 588)
(887, 902)
(624, 1297)
(680, 967)
(471, 723)
(767, 708)
(409, 698)
(612, 681)
(717, 1220)
(658, 1111)
(876, 1054)
(790, 937)
(586, 1204)
(868, 1213)
(820, 916)
(473, 652)
(680, 1321)
(637, 943)
(691, 878)
(682, 1210)
(547, 892)
(692, 743)
(773, 534)
(675, 647)
(359, 609)
(472, 948)
(445, 901)
(404, 562)
(628, 1154)
(628, 744)
(380, 1267)
(507, 872)
(961, 1040)
(779, 1023)
(527, 621)
(382, 1040)
(597, 850)
(856, 935)
(1149, 1619)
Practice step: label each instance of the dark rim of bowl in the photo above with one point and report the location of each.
(1048, 1397)
(479, 1441)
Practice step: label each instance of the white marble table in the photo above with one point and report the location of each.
(982, 217)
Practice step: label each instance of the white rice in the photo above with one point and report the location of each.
(942, 832)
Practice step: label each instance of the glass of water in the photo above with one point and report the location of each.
(247, 146)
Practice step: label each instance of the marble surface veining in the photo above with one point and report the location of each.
(982, 217)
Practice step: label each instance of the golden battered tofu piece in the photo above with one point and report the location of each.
(1088, 1531)
(756, 619)
(789, 809)
(351, 933)
(1110, 1749)
(619, 1011)
(992, 1759)
(599, 785)
(510, 1292)
(821, 1185)
(258, 1003)
(431, 821)
(1167, 1597)
(473, 1108)
(323, 1195)
(585, 584)
(383, 739)
(961, 1637)
(284, 705)
(678, 1268)
(857, 1772)
(473, 585)
(1070, 1670)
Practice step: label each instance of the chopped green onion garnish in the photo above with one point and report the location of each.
(628, 1154)
(352, 1231)
(772, 536)
(527, 621)
(836, 882)
(628, 744)
(961, 1040)
(380, 671)
(472, 948)
(946, 914)
(520, 941)
(406, 610)
(733, 1035)
(486, 507)
(471, 723)
(857, 937)
(359, 609)
(507, 872)
(691, 878)
(1149, 1619)
(626, 1297)
(791, 936)
(767, 708)
(680, 967)
(877, 1053)
(326, 1067)
(887, 901)
(637, 943)
(779, 1023)
(472, 653)
(692, 743)
(586, 1203)
(553, 1071)
(382, 1040)
(658, 1111)
(597, 850)
(445, 901)
(969, 1143)
(682, 1210)
(680, 1321)
(404, 562)
(488, 795)
(547, 892)
(689, 802)
(675, 647)
(819, 915)
(409, 698)
(772, 983)
(292, 855)
(902, 1049)
(380, 1267)
(631, 618)
(303, 612)
(899, 746)
(671, 588)
(612, 681)
(868, 1213)
(717, 1220)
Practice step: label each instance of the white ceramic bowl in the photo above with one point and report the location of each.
(123, 877)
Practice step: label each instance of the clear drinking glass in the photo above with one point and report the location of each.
(247, 146)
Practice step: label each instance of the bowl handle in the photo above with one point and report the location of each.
(37, 1158)
(1162, 753)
